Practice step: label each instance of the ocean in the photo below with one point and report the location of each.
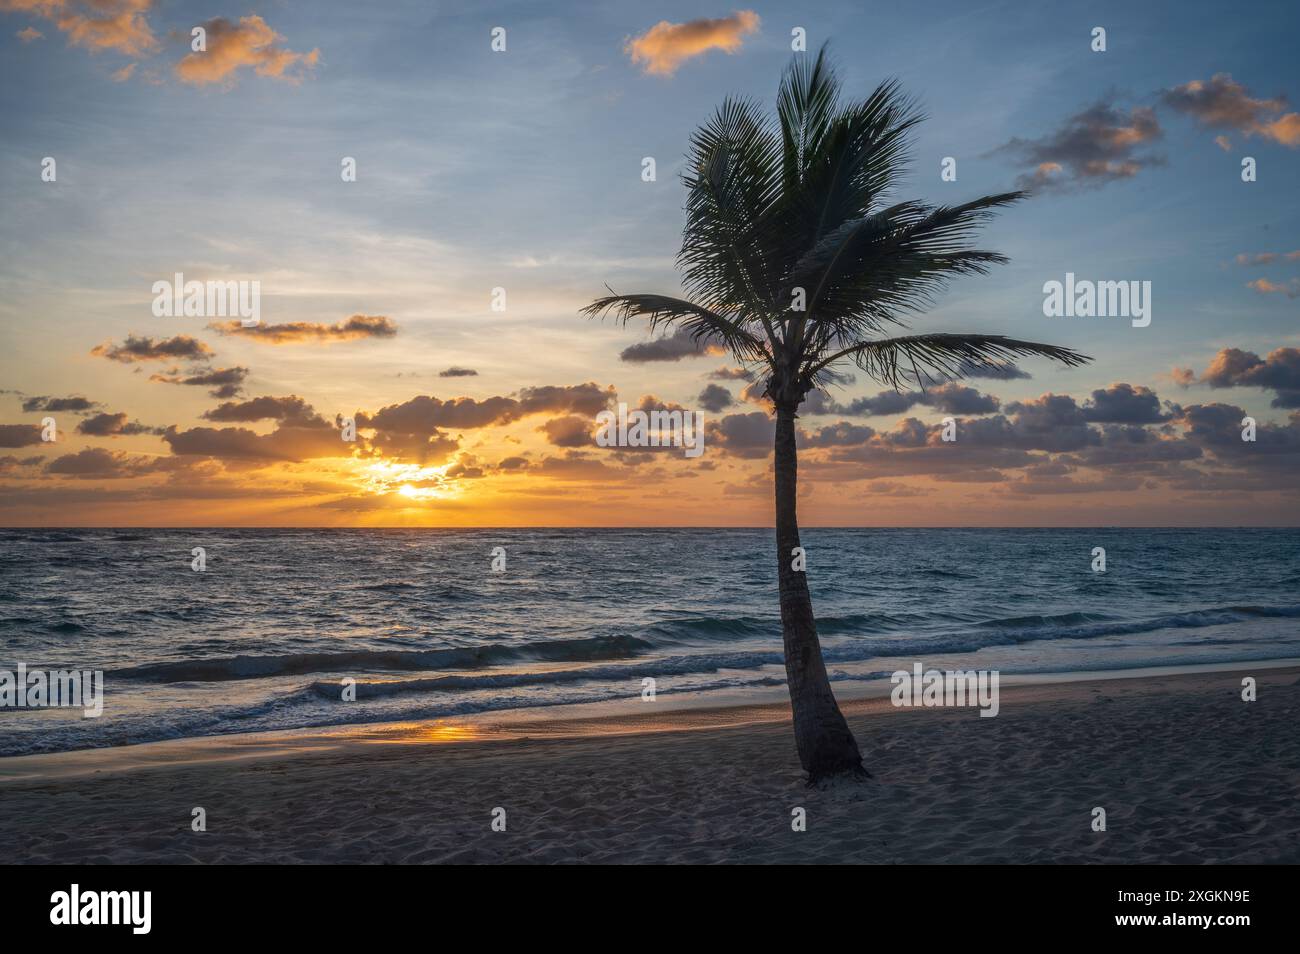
(264, 637)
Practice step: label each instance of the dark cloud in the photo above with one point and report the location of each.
(715, 398)
(1125, 404)
(19, 435)
(75, 405)
(992, 370)
(1123, 446)
(179, 348)
(113, 425)
(225, 382)
(589, 398)
(425, 414)
(674, 347)
(95, 463)
(289, 409)
(288, 442)
(841, 434)
(458, 373)
(950, 398)
(569, 431)
(1098, 145)
(1052, 422)
(742, 435)
(1218, 427)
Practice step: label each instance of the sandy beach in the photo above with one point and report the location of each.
(1186, 771)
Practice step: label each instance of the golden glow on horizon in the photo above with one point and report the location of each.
(412, 481)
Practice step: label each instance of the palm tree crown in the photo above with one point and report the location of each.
(792, 258)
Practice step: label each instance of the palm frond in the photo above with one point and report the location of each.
(733, 183)
(703, 324)
(934, 356)
(805, 105)
(873, 268)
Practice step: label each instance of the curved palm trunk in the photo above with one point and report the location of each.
(825, 744)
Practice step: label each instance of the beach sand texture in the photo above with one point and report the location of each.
(1186, 771)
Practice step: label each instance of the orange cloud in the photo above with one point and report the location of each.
(249, 43)
(119, 25)
(665, 46)
(1223, 103)
(1265, 287)
(29, 34)
(358, 326)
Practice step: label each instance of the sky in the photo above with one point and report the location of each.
(514, 177)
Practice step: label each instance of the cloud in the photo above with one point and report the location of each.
(1125, 404)
(742, 435)
(1093, 147)
(125, 73)
(291, 409)
(665, 46)
(950, 398)
(181, 347)
(29, 34)
(674, 347)
(119, 25)
(96, 463)
(414, 428)
(19, 435)
(249, 43)
(570, 431)
(74, 404)
(957, 399)
(589, 398)
(715, 398)
(458, 373)
(1271, 456)
(731, 374)
(113, 425)
(425, 414)
(1266, 258)
(288, 442)
(1223, 103)
(9, 464)
(225, 382)
(358, 326)
(841, 434)
(1278, 372)
(1289, 288)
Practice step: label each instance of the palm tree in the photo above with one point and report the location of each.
(794, 262)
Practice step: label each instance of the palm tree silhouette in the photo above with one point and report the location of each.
(793, 261)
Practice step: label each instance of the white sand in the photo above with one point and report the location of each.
(1186, 771)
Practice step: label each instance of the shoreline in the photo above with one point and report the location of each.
(671, 713)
